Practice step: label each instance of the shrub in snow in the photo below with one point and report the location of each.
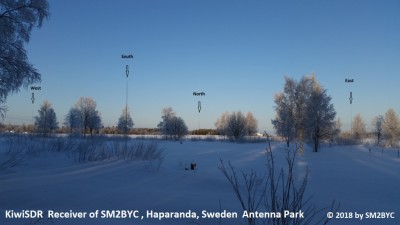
(92, 150)
(13, 152)
(18, 148)
(278, 191)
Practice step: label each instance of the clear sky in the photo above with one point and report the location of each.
(235, 51)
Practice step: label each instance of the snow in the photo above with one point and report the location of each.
(362, 181)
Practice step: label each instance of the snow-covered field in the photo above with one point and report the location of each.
(360, 180)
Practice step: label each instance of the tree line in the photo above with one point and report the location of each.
(304, 113)
(384, 128)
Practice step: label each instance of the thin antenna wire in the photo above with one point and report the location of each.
(126, 103)
(33, 106)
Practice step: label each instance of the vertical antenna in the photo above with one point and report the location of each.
(126, 102)
(126, 97)
(33, 102)
(351, 103)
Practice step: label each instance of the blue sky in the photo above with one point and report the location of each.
(237, 52)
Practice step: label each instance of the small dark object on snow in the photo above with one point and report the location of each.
(192, 166)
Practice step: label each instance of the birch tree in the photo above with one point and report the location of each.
(17, 19)
(321, 122)
(125, 122)
(358, 127)
(284, 119)
(251, 124)
(377, 128)
(46, 121)
(391, 127)
(221, 123)
(172, 126)
(235, 125)
(84, 112)
(73, 120)
(304, 111)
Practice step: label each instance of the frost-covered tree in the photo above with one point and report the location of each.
(89, 117)
(391, 127)
(338, 128)
(358, 127)
(73, 120)
(251, 124)
(303, 111)
(17, 19)
(171, 125)
(46, 121)
(321, 122)
(301, 99)
(179, 128)
(235, 125)
(284, 119)
(167, 115)
(125, 122)
(94, 121)
(377, 123)
(221, 123)
(236, 128)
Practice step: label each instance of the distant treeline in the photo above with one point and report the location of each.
(7, 128)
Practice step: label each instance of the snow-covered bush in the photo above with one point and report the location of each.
(277, 191)
(92, 150)
(19, 148)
